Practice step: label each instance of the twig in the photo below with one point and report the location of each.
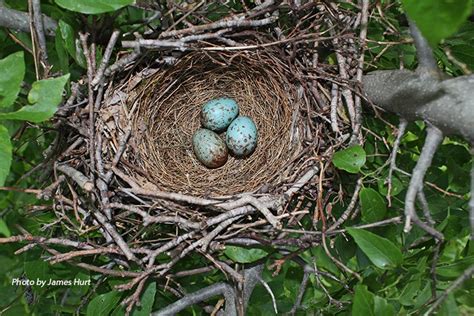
(116, 236)
(344, 216)
(471, 201)
(39, 24)
(122, 62)
(47, 193)
(433, 139)
(458, 282)
(393, 157)
(357, 100)
(134, 299)
(180, 44)
(219, 24)
(251, 276)
(149, 219)
(84, 183)
(338, 262)
(105, 60)
(335, 99)
(269, 290)
(204, 294)
(90, 73)
(301, 291)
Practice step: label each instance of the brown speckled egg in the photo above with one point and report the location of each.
(209, 148)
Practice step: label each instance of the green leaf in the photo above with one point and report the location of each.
(93, 6)
(12, 71)
(71, 43)
(382, 252)
(103, 304)
(363, 304)
(372, 205)
(4, 228)
(350, 159)
(407, 297)
(147, 300)
(382, 307)
(438, 19)
(455, 269)
(38, 270)
(44, 97)
(449, 307)
(244, 255)
(5, 154)
(62, 52)
(397, 186)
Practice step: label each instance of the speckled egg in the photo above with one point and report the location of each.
(209, 148)
(217, 114)
(241, 136)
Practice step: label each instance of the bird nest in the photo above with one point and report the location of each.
(166, 111)
(134, 186)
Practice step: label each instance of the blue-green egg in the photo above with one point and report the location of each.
(209, 148)
(242, 136)
(217, 114)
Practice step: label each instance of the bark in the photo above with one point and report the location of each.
(19, 21)
(447, 104)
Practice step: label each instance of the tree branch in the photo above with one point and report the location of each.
(427, 65)
(19, 21)
(204, 294)
(446, 104)
(433, 139)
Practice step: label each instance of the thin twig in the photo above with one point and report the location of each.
(433, 139)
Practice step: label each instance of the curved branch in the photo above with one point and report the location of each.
(433, 139)
(204, 294)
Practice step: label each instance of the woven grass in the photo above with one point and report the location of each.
(168, 107)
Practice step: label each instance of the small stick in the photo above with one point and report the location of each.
(460, 280)
(105, 60)
(84, 183)
(47, 192)
(206, 293)
(90, 74)
(116, 236)
(220, 24)
(433, 139)
(123, 62)
(344, 216)
(357, 100)
(402, 126)
(334, 103)
(38, 24)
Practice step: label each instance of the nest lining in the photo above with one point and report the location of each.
(168, 108)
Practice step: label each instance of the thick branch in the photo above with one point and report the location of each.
(19, 21)
(446, 104)
(426, 62)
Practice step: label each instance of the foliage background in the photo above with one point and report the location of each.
(399, 285)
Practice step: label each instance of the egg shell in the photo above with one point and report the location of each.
(217, 114)
(242, 136)
(209, 148)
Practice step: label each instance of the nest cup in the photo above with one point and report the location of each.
(168, 107)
